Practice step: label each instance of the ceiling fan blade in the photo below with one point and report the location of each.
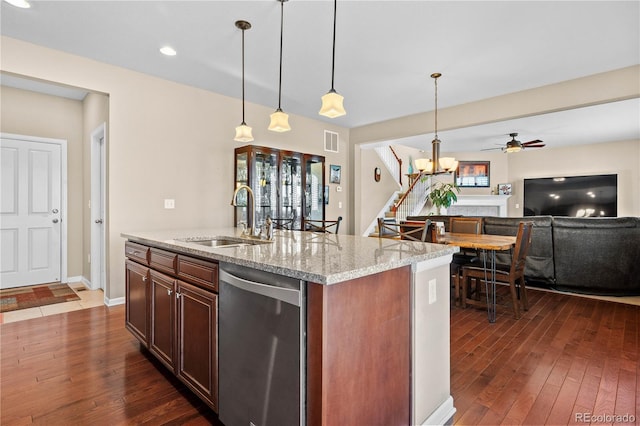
(531, 142)
(491, 149)
(540, 145)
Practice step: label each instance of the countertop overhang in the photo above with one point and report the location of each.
(309, 256)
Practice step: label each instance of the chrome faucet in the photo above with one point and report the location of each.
(234, 202)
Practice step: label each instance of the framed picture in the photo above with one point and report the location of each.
(326, 194)
(473, 174)
(504, 189)
(334, 177)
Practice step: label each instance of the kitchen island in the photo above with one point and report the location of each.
(376, 317)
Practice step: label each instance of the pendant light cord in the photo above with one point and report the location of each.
(243, 122)
(333, 59)
(281, 31)
(436, 110)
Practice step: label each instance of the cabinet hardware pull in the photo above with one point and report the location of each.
(169, 292)
(178, 295)
(144, 278)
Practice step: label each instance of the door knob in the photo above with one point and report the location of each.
(55, 220)
(54, 211)
(98, 220)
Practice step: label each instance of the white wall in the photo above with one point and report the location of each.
(168, 140)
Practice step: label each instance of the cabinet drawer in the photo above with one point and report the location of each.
(164, 261)
(198, 271)
(136, 252)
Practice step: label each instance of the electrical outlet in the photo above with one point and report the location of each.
(432, 291)
(169, 204)
(517, 205)
(339, 204)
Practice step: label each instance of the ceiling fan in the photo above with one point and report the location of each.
(514, 145)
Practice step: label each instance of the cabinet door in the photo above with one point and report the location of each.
(198, 341)
(313, 208)
(163, 317)
(290, 205)
(137, 300)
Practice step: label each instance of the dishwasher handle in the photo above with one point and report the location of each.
(286, 295)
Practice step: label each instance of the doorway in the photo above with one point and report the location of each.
(97, 257)
(33, 207)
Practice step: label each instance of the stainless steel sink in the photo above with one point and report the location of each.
(223, 241)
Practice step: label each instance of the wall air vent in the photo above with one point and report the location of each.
(330, 141)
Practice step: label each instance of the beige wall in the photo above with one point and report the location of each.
(34, 114)
(168, 140)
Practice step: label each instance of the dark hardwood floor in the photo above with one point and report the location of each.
(566, 358)
(567, 355)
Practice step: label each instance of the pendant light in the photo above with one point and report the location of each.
(332, 102)
(280, 119)
(436, 165)
(243, 132)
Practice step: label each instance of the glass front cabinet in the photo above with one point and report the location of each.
(287, 186)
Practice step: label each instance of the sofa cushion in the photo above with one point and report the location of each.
(599, 255)
(539, 266)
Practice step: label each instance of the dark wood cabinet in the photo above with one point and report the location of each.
(197, 337)
(172, 308)
(163, 317)
(137, 299)
(287, 186)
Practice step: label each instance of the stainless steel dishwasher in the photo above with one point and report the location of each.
(261, 348)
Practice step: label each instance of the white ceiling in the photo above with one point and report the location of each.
(385, 52)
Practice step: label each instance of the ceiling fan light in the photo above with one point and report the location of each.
(512, 149)
(243, 133)
(332, 105)
(279, 121)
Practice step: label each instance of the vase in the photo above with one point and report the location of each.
(410, 169)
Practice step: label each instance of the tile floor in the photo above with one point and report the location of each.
(88, 299)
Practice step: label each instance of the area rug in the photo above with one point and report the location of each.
(12, 299)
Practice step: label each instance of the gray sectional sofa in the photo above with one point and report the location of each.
(586, 255)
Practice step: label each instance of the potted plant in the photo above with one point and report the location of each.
(443, 195)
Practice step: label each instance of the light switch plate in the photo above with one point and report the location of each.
(169, 204)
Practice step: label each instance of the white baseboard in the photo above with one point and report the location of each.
(443, 415)
(114, 302)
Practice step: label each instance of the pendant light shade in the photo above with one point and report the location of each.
(332, 102)
(280, 119)
(243, 132)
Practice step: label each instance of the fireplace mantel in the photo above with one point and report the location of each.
(480, 205)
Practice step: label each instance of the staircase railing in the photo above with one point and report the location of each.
(414, 198)
(391, 161)
(399, 162)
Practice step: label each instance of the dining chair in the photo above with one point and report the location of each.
(463, 225)
(512, 274)
(414, 231)
(329, 226)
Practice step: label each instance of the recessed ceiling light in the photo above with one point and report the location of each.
(168, 50)
(23, 4)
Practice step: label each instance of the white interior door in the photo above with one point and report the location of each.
(98, 211)
(30, 212)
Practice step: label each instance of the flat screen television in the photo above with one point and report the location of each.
(575, 196)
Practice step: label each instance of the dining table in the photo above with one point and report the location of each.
(488, 244)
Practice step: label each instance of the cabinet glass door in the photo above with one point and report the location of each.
(314, 188)
(242, 178)
(264, 185)
(290, 207)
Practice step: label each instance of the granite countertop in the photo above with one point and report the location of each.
(319, 258)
